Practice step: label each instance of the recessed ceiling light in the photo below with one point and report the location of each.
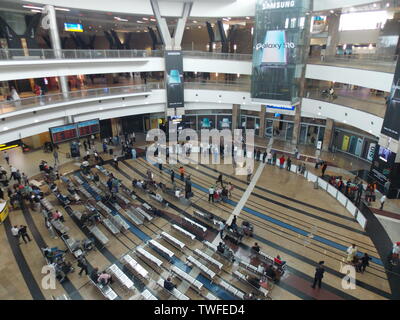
(248, 18)
(5, 128)
(32, 7)
(153, 20)
(194, 21)
(34, 10)
(146, 19)
(62, 9)
(138, 21)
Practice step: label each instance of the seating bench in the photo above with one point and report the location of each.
(195, 224)
(211, 260)
(121, 276)
(149, 256)
(231, 289)
(144, 213)
(175, 292)
(243, 278)
(210, 296)
(249, 267)
(185, 276)
(172, 240)
(161, 248)
(99, 235)
(135, 219)
(184, 232)
(110, 226)
(201, 266)
(106, 291)
(120, 222)
(147, 295)
(135, 266)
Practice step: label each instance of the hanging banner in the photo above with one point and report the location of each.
(279, 50)
(174, 79)
(391, 122)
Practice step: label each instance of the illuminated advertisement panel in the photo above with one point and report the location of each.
(73, 27)
(279, 49)
(174, 78)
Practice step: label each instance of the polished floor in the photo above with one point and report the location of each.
(290, 218)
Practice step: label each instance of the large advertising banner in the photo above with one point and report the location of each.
(391, 122)
(279, 49)
(174, 79)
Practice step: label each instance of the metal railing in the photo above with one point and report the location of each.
(44, 54)
(218, 85)
(218, 55)
(372, 107)
(360, 61)
(11, 106)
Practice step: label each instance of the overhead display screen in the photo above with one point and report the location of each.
(174, 79)
(86, 128)
(73, 27)
(279, 50)
(391, 122)
(63, 133)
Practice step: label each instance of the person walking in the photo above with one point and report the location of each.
(364, 263)
(281, 161)
(248, 175)
(55, 155)
(25, 179)
(288, 164)
(6, 157)
(264, 156)
(85, 146)
(16, 234)
(182, 172)
(359, 192)
(382, 201)
(319, 274)
(172, 176)
(24, 233)
(219, 180)
(325, 165)
(351, 253)
(211, 191)
(274, 159)
(387, 187)
(18, 176)
(83, 264)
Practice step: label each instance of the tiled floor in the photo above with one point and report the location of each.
(303, 225)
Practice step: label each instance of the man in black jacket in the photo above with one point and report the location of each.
(319, 274)
(169, 285)
(24, 233)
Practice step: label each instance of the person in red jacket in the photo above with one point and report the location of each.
(281, 161)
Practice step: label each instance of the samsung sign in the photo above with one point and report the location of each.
(267, 5)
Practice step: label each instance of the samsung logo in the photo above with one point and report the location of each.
(278, 5)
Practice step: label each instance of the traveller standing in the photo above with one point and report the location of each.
(172, 176)
(364, 263)
(274, 159)
(25, 179)
(281, 161)
(16, 234)
(211, 191)
(55, 155)
(359, 192)
(351, 253)
(182, 172)
(325, 165)
(264, 156)
(6, 157)
(382, 201)
(14, 94)
(319, 274)
(219, 180)
(387, 187)
(248, 174)
(24, 233)
(83, 264)
(288, 164)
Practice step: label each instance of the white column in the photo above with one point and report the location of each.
(180, 27)
(56, 44)
(162, 26)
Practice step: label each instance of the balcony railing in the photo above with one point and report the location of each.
(44, 54)
(374, 106)
(36, 101)
(219, 85)
(360, 61)
(218, 55)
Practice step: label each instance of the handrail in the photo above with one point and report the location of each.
(44, 54)
(11, 106)
(218, 55)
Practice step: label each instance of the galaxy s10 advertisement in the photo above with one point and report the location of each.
(391, 122)
(174, 79)
(279, 49)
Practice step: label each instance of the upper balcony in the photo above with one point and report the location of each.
(370, 62)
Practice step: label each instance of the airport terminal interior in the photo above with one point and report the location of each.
(199, 150)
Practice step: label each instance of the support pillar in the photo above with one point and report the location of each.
(333, 35)
(327, 135)
(235, 116)
(116, 127)
(56, 44)
(261, 132)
